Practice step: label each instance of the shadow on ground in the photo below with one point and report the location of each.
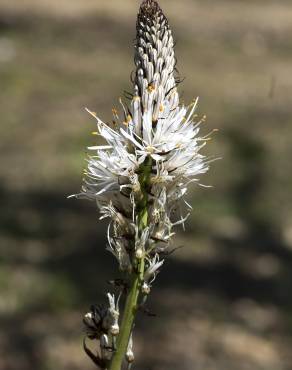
(75, 264)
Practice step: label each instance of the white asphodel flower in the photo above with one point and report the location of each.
(149, 157)
(153, 267)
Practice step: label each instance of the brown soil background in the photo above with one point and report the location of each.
(224, 300)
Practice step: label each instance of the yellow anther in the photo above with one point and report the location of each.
(161, 108)
(150, 88)
(150, 149)
(128, 120)
(115, 112)
(94, 133)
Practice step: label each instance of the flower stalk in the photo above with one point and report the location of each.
(130, 311)
(131, 305)
(139, 178)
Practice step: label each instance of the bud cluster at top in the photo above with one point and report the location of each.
(154, 59)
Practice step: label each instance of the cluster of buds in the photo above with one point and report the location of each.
(140, 175)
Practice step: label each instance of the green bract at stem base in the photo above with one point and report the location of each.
(131, 305)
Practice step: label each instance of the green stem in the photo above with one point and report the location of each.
(131, 305)
(130, 311)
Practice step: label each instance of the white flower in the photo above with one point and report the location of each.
(153, 267)
(145, 288)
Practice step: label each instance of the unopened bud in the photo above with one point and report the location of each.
(130, 357)
(88, 318)
(114, 329)
(130, 354)
(145, 288)
(139, 253)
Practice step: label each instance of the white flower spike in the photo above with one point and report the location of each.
(139, 177)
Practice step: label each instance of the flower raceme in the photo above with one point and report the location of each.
(139, 178)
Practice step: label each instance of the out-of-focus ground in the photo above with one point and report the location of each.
(223, 301)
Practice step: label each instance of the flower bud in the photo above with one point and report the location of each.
(130, 354)
(139, 253)
(115, 329)
(145, 288)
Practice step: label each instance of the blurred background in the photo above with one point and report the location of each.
(224, 300)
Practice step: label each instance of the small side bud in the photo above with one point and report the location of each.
(140, 242)
(139, 253)
(115, 329)
(130, 354)
(130, 357)
(145, 288)
(112, 319)
(88, 319)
